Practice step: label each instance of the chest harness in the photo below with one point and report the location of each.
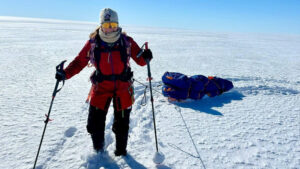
(121, 46)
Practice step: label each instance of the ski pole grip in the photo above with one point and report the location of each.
(60, 67)
(146, 47)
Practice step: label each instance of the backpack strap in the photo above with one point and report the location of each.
(97, 52)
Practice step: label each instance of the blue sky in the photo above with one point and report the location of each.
(273, 16)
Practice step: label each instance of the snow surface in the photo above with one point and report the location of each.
(256, 125)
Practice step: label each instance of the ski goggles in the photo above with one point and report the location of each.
(107, 25)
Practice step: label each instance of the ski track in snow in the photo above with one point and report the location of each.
(255, 125)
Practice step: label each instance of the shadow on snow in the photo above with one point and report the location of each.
(103, 160)
(132, 163)
(99, 160)
(206, 105)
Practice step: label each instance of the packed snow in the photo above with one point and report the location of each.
(255, 125)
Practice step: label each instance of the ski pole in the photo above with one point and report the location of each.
(158, 157)
(58, 68)
(149, 78)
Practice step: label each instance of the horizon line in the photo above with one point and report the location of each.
(52, 20)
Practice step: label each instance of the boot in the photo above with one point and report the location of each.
(121, 144)
(98, 142)
(120, 153)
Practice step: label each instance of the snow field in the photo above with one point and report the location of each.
(256, 125)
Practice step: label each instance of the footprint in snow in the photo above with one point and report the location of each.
(70, 132)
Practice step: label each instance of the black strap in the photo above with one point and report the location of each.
(97, 51)
(125, 76)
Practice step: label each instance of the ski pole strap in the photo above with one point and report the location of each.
(61, 86)
(60, 68)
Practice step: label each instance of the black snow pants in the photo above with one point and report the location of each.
(96, 127)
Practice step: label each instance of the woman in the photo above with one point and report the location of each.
(109, 51)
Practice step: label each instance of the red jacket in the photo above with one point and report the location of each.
(101, 93)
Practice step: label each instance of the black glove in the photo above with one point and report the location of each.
(60, 75)
(147, 54)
